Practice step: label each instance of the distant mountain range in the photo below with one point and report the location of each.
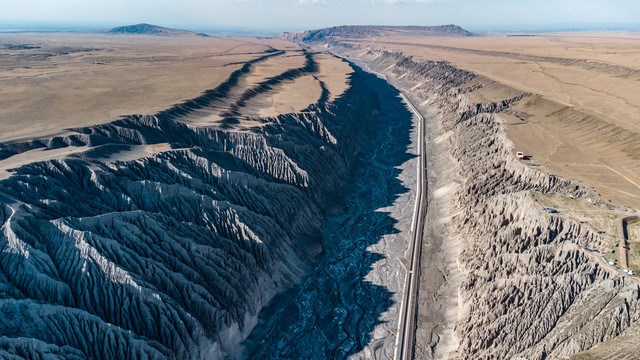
(148, 29)
(363, 31)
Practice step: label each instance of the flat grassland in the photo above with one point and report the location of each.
(582, 120)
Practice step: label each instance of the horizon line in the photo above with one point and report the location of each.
(479, 29)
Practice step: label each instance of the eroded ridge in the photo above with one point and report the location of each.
(347, 305)
(238, 98)
(163, 239)
(522, 283)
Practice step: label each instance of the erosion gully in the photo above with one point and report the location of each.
(333, 311)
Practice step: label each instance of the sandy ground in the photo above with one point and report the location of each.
(73, 79)
(292, 97)
(27, 157)
(440, 270)
(580, 120)
(334, 73)
(440, 275)
(584, 122)
(122, 153)
(304, 91)
(52, 82)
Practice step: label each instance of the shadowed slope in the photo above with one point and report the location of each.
(170, 254)
(332, 313)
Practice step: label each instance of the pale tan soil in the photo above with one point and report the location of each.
(133, 152)
(42, 94)
(27, 157)
(304, 91)
(292, 97)
(585, 121)
(624, 347)
(625, 255)
(262, 104)
(334, 73)
(633, 229)
(274, 66)
(102, 77)
(598, 217)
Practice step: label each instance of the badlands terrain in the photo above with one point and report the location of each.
(522, 259)
(158, 191)
(165, 194)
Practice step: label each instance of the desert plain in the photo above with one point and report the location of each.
(582, 119)
(55, 81)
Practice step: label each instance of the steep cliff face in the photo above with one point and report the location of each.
(531, 284)
(164, 240)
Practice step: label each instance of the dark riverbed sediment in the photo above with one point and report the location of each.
(346, 305)
(163, 237)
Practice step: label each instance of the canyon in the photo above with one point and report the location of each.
(215, 197)
(501, 276)
(164, 235)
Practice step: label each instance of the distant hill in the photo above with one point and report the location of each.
(148, 29)
(363, 31)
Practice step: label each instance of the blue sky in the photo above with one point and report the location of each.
(293, 15)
